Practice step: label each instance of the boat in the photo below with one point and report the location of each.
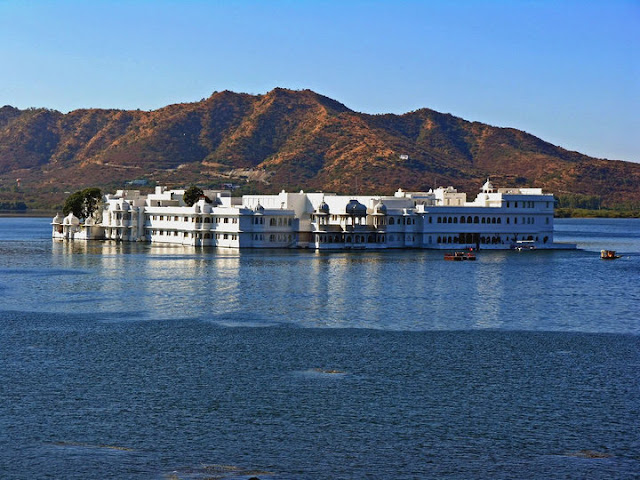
(459, 256)
(608, 255)
(524, 245)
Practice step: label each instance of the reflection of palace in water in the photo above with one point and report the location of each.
(441, 218)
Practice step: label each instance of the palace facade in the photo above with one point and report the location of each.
(442, 218)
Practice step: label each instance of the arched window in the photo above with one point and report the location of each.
(476, 219)
(391, 221)
(455, 219)
(462, 220)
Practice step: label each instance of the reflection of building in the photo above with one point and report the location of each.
(440, 218)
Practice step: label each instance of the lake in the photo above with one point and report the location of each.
(135, 361)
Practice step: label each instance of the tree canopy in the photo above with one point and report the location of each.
(192, 194)
(83, 202)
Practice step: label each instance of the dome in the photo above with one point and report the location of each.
(71, 219)
(259, 208)
(57, 219)
(323, 208)
(356, 208)
(380, 208)
(487, 187)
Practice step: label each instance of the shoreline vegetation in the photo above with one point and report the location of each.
(602, 213)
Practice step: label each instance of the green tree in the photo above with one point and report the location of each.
(82, 203)
(192, 194)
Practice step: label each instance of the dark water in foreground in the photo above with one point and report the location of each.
(131, 361)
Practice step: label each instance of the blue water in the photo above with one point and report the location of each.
(131, 361)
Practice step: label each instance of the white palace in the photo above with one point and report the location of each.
(438, 219)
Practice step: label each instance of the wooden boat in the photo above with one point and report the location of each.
(459, 256)
(608, 255)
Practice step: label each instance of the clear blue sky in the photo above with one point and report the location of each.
(566, 71)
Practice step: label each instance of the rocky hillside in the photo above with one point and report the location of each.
(285, 139)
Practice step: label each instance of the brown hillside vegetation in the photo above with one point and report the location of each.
(286, 139)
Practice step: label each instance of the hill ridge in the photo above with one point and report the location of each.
(294, 139)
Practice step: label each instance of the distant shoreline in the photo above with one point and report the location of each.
(584, 213)
(28, 213)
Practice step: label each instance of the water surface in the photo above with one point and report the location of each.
(147, 362)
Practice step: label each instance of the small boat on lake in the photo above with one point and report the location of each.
(608, 255)
(459, 256)
(524, 245)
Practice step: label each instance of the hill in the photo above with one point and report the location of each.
(286, 139)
